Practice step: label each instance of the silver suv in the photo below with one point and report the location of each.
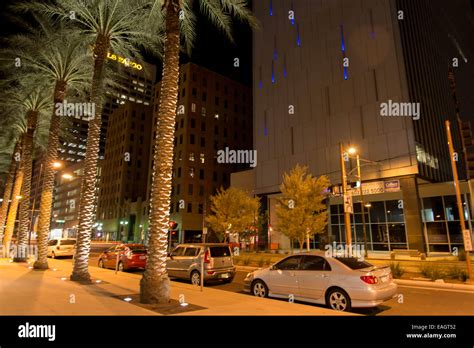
(185, 262)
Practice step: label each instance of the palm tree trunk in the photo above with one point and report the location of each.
(24, 213)
(47, 189)
(12, 211)
(7, 193)
(80, 270)
(154, 286)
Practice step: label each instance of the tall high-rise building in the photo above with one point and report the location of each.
(123, 186)
(133, 83)
(374, 75)
(213, 113)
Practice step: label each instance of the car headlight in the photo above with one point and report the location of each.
(249, 275)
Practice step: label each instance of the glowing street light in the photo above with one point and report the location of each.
(67, 176)
(19, 197)
(352, 150)
(57, 165)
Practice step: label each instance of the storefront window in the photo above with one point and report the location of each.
(437, 232)
(433, 209)
(377, 212)
(394, 211)
(397, 233)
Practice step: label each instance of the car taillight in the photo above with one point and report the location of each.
(206, 257)
(370, 279)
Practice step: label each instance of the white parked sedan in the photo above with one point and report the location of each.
(341, 283)
(61, 247)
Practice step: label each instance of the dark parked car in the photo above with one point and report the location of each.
(130, 256)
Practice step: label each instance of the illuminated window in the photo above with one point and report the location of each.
(191, 156)
(201, 158)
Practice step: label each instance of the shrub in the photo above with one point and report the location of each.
(260, 262)
(431, 271)
(246, 261)
(397, 270)
(462, 255)
(456, 273)
(236, 260)
(268, 261)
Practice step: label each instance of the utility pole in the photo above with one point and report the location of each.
(466, 233)
(362, 205)
(347, 214)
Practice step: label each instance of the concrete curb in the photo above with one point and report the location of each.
(435, 285)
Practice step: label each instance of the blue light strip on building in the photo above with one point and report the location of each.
(273, 71)
(271, 8)
(298, 38)
(343, 49)
(284, 66)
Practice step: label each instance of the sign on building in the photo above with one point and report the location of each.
(348, 204)
(466, 234)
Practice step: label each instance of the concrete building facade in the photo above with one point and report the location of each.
(330, 72)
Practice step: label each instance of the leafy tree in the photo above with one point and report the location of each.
(175, 20)
(301, 210)
(233, 211)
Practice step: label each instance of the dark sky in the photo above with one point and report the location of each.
(212, 49)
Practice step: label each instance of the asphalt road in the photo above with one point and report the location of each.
(411, 300)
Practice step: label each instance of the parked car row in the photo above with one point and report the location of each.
(341, 283)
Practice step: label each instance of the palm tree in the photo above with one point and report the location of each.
(108, 25)
(60, 57)
(165, 15)
(7, 193)
(32, 104)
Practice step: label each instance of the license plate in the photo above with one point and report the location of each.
(225, 275)
(142, 257)
(384, 279)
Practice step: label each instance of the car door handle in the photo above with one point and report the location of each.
(323, 276)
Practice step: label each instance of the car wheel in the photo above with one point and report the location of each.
(121, 268)
(101, 263)
(338, 300)
(53, 255)
(259, 289)
(195, 278)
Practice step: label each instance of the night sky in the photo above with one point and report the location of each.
(211, 50)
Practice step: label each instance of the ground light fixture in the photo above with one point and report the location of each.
(67, 176)
(57, 165)
(127, 299)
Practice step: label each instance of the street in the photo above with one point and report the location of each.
(411, 300)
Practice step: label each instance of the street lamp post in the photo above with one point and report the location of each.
(347, 216)
(466, 235)
(359, 177)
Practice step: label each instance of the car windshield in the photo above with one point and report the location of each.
(354, 263)
(68, 242)
(220, 251)
(136, 247)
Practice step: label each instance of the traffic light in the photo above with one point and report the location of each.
(173, 225)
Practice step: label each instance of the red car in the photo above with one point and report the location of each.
(130, 256)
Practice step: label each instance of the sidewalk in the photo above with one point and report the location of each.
(24, 291)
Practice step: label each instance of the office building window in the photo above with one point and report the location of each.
(202, 158)
(179, 172)
(191, 156)
(203, 142)
(190, 208)
(201, 190)
(191, 172)
(204, 96)
(201, 174)
(194, 92)
(190, 189)
(191, 139)
(200, 210)
(193, 107)
(193, 123)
